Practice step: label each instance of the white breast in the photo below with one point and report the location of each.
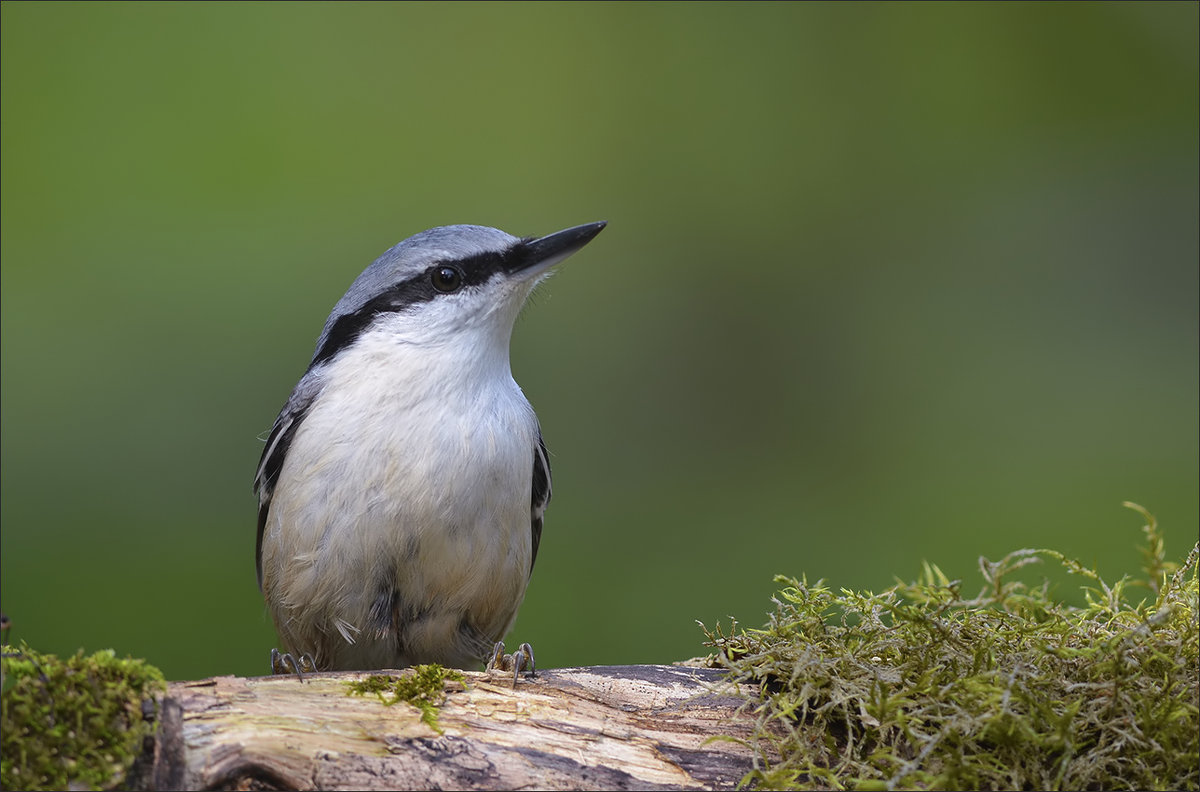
(414, 466)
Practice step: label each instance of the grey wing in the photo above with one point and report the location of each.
(278, 442)
(540, 495)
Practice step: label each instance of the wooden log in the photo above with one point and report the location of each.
(607, 727)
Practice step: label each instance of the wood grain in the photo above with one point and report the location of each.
(607, 727)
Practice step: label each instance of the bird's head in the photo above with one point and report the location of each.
(448, 285)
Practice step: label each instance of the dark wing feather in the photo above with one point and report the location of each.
(540, 494)
(276, 450)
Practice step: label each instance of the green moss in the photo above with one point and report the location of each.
(76, 722)
(922, 687)
(424, 687)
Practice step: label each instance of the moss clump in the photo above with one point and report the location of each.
(424, 688)
(920, 687)
(77, 722)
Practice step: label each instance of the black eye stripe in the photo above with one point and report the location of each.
(481, 267)
(420, 288)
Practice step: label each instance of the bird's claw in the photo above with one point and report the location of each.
(280, 663)
(518, 661)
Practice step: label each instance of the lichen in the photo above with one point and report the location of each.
(919, 687)
(75, 723)
(424, 687)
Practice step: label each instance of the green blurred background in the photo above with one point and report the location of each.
(881, 283)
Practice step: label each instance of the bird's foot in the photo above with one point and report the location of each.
(287, 663)
(518, 661)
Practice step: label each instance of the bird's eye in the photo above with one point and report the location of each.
(446, 279)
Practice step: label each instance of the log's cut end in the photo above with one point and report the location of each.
(604, 727)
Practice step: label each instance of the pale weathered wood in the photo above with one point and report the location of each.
(610, 727)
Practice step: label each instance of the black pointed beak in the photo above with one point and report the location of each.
(542, 254)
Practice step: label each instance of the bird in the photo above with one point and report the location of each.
(402, 488)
